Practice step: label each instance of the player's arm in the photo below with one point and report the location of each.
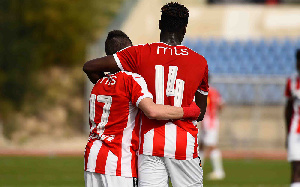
(164, 112)
(201, 101)
(95, 68)
(201, 94)
(288, 112)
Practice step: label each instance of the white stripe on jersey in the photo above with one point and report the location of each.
(170, 139)
(159, 84)
(141, 81)
(190, 147)
(91, 164)
(126, 141)
(148, 142)
(118, 62)
(111, 163)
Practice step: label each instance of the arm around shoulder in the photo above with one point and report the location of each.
(160, 112)
(104, 64)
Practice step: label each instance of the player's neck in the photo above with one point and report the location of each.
(170, 38)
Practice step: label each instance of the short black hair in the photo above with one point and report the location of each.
(115, 41)
(298, 54)
(174, 17)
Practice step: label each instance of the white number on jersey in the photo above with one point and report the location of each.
(170, 91)
(107, 100)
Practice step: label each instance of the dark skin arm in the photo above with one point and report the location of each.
(201, 101)
(94, 77)
(94, 68)
(288, 112)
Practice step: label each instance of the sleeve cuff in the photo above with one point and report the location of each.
(118, 62)
(148, 95)
(202, 92)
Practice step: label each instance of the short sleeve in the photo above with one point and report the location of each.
(204, 88)
(288, 92)
(138, 88)
(128, 59)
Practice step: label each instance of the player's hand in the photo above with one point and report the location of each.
(192, 112)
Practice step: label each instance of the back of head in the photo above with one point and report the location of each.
(298, 54)
(174, 17)
(116, 40)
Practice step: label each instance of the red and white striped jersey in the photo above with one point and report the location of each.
(173, 75)
(114, 125)
(293, 90)
(214, 101)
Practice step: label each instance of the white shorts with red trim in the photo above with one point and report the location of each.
(93, 179)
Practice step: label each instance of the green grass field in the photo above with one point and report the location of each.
(68, 171)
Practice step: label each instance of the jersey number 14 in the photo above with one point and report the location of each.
(170, 91)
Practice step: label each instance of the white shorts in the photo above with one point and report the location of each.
(93, 179)
(293, 147)
(155, 172)
(209, 132)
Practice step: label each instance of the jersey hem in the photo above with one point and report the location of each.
(169, 156)
(113, 173)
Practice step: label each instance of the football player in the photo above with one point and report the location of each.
(292, 118)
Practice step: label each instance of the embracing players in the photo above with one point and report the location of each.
(292, 118)
(175, 75)
(110, 154)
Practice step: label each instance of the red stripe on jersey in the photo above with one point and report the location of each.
(181, 143)
(87, 152)
(298, 128)
(298, 83)
(159, 140)
(101, 159)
